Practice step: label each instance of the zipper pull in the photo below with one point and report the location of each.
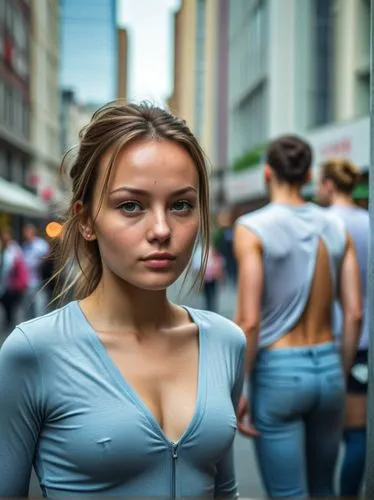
(174, 451)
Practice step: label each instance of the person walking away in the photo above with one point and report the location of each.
(294, 259)
(121, 393)
(35, 250)
(214, 275)
(337, 181)
(223, 242)
(13, 277)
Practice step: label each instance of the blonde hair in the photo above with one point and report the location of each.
(114, 126)
(342, 172)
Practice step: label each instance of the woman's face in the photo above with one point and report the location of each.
(149, 219)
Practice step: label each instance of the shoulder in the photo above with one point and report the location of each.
(262, 215)
(46, 333)
(17, 350)
(218, 328)
(260, 224)
(329, 216)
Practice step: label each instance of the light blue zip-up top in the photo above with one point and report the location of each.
(290, 237)
(357, 222)
(66, 408)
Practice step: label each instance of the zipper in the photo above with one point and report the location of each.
(174, 456)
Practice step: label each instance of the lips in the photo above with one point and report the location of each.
(159, 260)
(159, 256)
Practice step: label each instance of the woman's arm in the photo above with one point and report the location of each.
(351, 304)
(248, 252)
(21, 387)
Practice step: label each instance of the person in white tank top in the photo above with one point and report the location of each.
(339, 176)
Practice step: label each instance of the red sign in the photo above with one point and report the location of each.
(341, 147)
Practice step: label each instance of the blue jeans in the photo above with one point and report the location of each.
(297, 397)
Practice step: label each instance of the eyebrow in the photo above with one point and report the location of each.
(145, 192)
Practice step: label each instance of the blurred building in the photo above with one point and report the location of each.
(16, 149)
(200, 77)
(299, 67)
(75, 116)
(89, 49)
(122, 63)
(45, 100)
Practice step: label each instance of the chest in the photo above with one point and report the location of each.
(99, 425)
(164, 378)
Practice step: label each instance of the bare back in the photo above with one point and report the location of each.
(314, 326)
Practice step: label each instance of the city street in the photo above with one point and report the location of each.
(246, 467)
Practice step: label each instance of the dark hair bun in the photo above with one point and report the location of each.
(290, 157)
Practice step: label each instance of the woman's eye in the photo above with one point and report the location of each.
(182, 206)
(131, 207)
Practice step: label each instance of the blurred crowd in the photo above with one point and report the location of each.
(25, 271)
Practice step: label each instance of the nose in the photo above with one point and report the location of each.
(159, 229)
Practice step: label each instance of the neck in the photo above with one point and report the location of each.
(342, 199)
(285, 193)
(117, 305)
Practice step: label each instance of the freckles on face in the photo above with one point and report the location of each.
(151, 206)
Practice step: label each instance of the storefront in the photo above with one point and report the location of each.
(17, 205)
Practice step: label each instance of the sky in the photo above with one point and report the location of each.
(150, 31)
(88, 43)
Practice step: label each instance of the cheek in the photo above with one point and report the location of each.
(186, 232)
(115, 238)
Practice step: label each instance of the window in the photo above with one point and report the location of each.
(25, 119)
(9, 15)
(2, 101)
(20, 31)
(200, 67)
(8, 105)
(253, 118)
(17, 170)
(3, 167)
(2, 11)
(321, 102)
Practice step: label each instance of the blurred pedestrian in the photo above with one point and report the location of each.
(35, 250)
(337, 182)
(223, 242)
(294, 257)
(214, 276)
(121, 392)
(14, 276)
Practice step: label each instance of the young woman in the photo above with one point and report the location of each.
(294, 258)
(338, 179)
(120, 392)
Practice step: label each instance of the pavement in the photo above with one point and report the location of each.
(246, 468)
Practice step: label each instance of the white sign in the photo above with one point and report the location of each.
(350, 140)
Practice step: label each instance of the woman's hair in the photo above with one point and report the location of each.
(342, 172)
(290, 157)
(115, 126)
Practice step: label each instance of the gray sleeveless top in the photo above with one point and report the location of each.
(290, 236)
(357, 223)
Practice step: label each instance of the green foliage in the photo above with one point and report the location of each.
(250, 159)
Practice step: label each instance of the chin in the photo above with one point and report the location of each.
(157, 282)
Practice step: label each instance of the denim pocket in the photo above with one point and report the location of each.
(276, 397)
